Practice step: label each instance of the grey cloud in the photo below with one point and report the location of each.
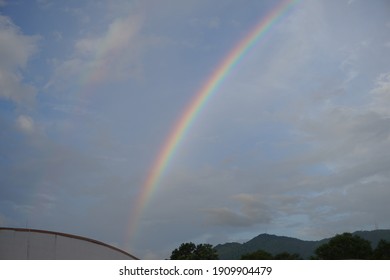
(252, 212)
(268, 155)
(227, 217)
(352, 144)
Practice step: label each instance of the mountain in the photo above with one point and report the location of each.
(278, 244)
(374, 236)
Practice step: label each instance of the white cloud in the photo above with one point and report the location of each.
(111, 56)
(14, 89)
(334, 172)
(16, 48)
(15, 51)
(25, 123)
(381, 94)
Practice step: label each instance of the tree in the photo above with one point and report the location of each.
(287, 256)
(257, 255)
(343, 247)
(190, 251)
(382, 251)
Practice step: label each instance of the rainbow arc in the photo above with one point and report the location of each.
(209, 88)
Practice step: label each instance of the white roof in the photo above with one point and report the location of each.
(34, 244)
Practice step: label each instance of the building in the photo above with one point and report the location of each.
(34, 244)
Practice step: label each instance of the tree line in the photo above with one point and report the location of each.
(344, 246)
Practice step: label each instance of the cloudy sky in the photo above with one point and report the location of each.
(295, 142)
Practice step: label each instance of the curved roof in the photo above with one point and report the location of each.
(24, 243)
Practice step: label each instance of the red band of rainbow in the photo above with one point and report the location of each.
(182, 126)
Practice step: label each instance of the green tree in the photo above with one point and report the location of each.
(382, 251)
(287, 256)
(257, 255)
(344, 246)
(190, 251)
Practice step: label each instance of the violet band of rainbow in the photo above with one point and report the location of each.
(193, 109)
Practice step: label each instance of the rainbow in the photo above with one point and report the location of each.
(184, 123)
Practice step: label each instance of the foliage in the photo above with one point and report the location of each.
(344, 246)
(264, 255)
(257, 255)
(287, 256)
(190, 251)
(382, 251)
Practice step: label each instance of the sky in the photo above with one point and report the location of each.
(295, 141)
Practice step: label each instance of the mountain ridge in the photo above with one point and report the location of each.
(275, 244)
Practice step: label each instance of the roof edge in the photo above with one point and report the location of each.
(70, 236)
